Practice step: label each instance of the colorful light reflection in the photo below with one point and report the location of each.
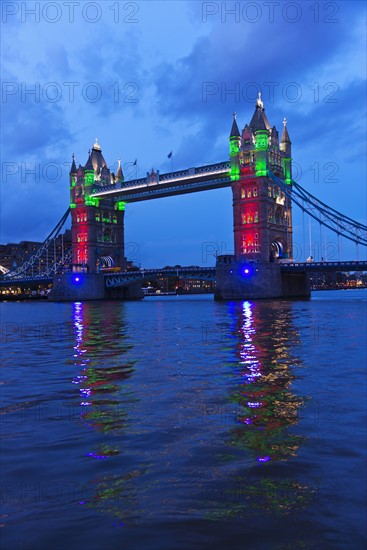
(266, 405)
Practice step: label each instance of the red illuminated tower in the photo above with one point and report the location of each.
(262, 215)
(261, 210)
(97, 224)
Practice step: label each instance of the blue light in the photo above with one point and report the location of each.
(76, 279)
(247, 271)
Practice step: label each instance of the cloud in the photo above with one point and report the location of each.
(31, 126)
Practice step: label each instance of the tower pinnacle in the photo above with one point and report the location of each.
(73, 166)
(234, 130)
(285, 135)
(96, 146)
(119, 174)
(259, 120)
(259, 102)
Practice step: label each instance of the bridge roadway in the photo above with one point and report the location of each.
(24, 280)
(202, 273)
(202, 178)
(119, 279)
(208, 273)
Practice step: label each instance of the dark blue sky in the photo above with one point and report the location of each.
(150, 77)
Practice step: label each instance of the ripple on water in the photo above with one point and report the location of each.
(185, 424)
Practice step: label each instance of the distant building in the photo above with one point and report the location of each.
(14, 254)
(195, 286)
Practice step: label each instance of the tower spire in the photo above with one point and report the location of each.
(285, 135)
(259, 119)
(119, 174)
(234, 130)
(259, 102)
(73, 166)
(96, 146)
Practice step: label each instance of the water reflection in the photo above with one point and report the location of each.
(267, 410)
(266, 405)
(105, 399)
(100, 343)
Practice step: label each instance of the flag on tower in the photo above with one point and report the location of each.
(169, 155)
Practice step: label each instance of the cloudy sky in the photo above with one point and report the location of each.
(149, 77)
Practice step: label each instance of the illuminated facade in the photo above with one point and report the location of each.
(261, 210)
(97, 224)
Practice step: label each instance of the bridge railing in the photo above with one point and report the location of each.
(350, 263)
(163, 271)
(126, 277)
(219, 167)
(346, 266)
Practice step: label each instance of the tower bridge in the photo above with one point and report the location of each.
(259, 173)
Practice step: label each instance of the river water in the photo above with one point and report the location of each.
(181, 423)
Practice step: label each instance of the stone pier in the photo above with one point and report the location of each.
(75, 287)
(238, 280)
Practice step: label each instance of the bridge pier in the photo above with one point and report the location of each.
(71, 287)
(236, 280)
(296, 285)
(132, 291)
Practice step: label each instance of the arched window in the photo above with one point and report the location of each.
(256, 218)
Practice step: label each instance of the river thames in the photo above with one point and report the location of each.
(179, 423)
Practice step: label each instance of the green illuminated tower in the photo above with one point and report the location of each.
(261, 210)
(285, 147)
(262, 215)
(97, 224)
(234, 147)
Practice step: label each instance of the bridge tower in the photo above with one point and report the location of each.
(262, 214)
(97, 223)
